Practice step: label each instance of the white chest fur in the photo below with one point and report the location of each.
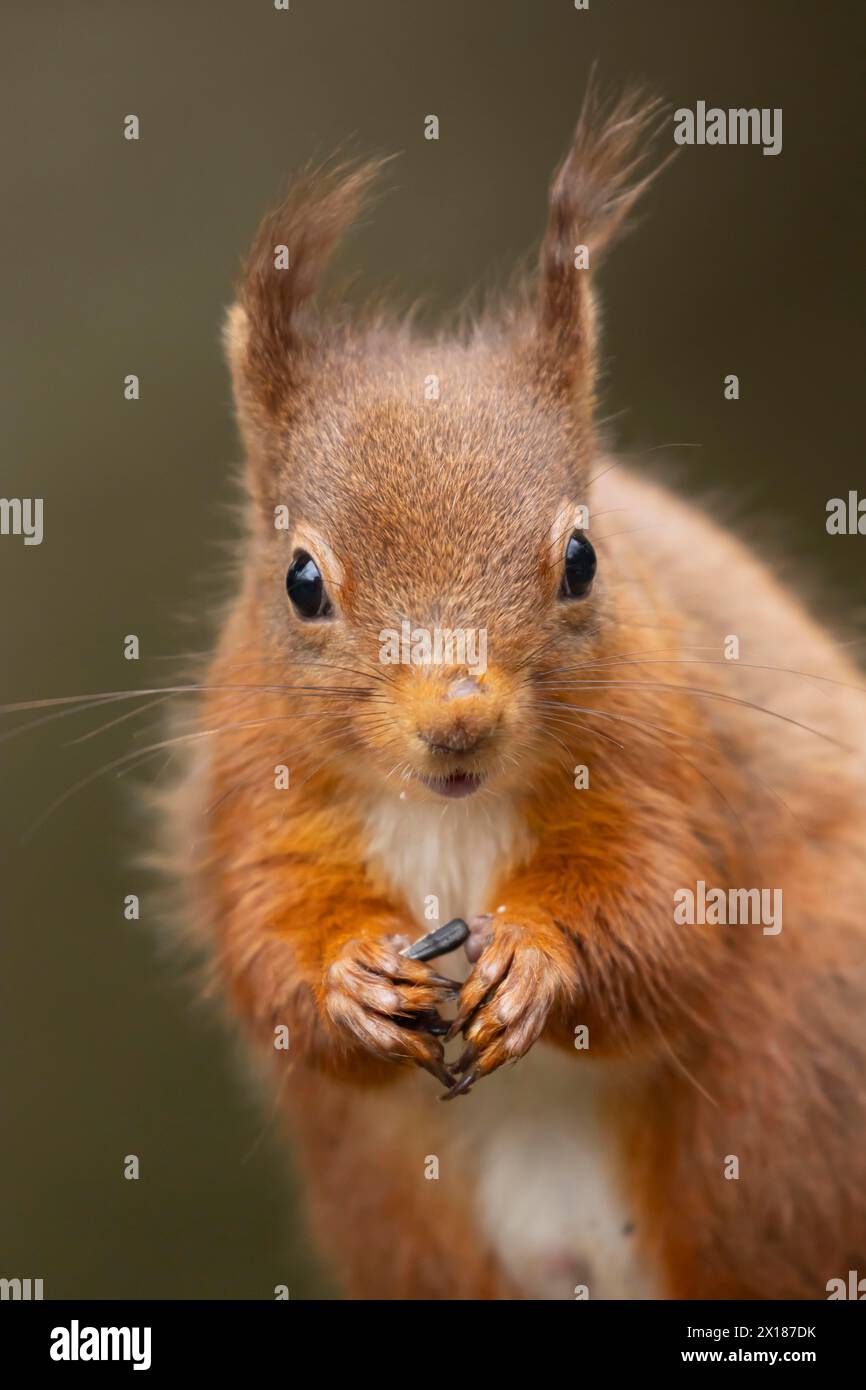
(549, 1200)
(452, 852)
(531, 1136)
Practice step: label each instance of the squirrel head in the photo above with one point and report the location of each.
(420, 508)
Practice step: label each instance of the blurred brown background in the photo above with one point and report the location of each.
(118, 257)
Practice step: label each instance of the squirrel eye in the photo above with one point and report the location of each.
(306, 588)
(579, 570)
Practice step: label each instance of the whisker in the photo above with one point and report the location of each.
(95, 702)
(120, 719)
(195, 689)
(596, 732)
(707, 694)
(568, 752)
(650, 526)
(139, 754)
(608, 714)
(710, 661)
(701, 743)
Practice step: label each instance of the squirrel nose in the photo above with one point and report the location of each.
(465, 728)
(455, 738)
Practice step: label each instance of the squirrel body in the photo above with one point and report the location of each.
(709, 1140)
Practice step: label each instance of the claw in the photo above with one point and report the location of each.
(462, 1021)
(437, 1027)
(467, 1058)
(445, 982)
(424, 1021)
(440, 1071)
(455, 1028)
(461, 1087)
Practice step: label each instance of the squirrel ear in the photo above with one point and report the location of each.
(264, 335)
(592, 193)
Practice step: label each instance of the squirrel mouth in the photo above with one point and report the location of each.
(456, 785)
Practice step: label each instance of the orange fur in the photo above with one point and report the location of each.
(440, 512)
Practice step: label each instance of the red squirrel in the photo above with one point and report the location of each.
(637, 1104)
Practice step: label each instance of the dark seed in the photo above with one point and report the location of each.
(439, 942)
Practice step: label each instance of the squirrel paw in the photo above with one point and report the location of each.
(520, 974)
(388, 1003)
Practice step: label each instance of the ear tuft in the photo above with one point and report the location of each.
(592, 194)
(277, 285)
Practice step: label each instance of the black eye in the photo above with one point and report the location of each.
(579, 571)
(306, 588)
